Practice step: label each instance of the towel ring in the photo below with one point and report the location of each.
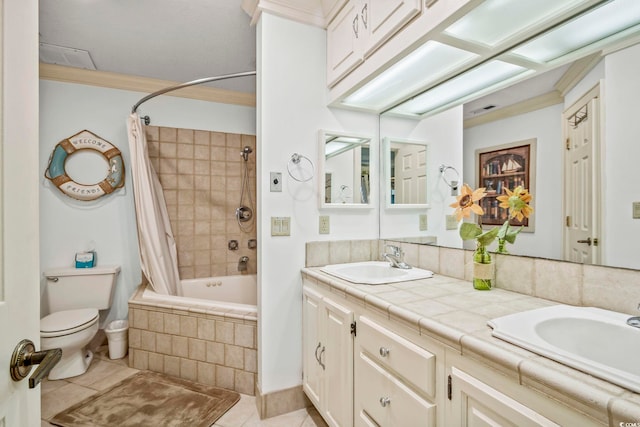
(298, 169)
(453, 184)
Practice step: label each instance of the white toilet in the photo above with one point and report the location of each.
(75, 295)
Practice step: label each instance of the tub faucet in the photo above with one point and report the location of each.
(395, 257)
(242, 264)
(635, 320)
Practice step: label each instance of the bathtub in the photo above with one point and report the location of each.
(208, 334)
(218, 295)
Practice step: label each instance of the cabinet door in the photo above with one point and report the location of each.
(344, 49)
(383, 18)
(474, 403)
(311, 345)
(337, 359)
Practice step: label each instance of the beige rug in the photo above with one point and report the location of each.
(150, 399)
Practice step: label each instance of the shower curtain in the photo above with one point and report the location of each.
(158, 253)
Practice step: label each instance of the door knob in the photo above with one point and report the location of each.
(587, 241)
(25, 356)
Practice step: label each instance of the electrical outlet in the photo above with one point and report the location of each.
(423, 222)
(452, 222)
(275, 179)
(323, 224)
(280, 226)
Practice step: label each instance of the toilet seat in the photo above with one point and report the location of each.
(67, 322)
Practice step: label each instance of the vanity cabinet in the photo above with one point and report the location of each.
(395, 380)
(327, 357)
(360, 28)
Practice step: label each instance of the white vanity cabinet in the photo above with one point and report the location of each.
(478, 395)
(360, 27)
(327, 357)
(395, 380)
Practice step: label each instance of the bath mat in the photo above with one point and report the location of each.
(150, 399)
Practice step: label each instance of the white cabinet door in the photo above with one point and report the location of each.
(344, 48)
(311, 369)
(475, 403)
(383, 18)
(327, 358)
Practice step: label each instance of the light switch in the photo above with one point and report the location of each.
(280, 226)
(423, 222)
(452, 222)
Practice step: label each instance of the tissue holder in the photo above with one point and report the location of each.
(86, 259)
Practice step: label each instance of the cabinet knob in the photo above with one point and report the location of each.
(384, 401)
(384, 352)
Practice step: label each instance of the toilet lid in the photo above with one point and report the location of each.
(67, 321)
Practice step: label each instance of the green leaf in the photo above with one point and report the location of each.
(488, 236)
(511, 235)
(469, 231)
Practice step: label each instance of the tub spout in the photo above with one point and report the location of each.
(242, 264)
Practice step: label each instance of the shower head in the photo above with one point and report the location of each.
(245, 152)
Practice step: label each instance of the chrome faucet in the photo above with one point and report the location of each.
(395, 257)
(242, 263)
(634, 320)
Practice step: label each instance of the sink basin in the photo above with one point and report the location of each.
(598, 342)
(374, 272)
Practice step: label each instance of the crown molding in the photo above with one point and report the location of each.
(546, 100)
(312, 12)
(576, 72)
(143, 84)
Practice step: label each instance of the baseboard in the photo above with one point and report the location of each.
(280, 402)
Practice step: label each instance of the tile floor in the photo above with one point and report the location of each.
(104, 373)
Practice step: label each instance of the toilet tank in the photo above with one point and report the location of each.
(73, 288)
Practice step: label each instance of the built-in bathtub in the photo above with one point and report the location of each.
(208, 334)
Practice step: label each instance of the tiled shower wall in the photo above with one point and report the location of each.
(201, 174)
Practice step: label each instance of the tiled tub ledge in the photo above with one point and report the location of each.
(450, 311)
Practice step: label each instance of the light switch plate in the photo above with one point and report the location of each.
(280, 226)
(275, 178)
(423, 222)
(324, 224)
(452, 222)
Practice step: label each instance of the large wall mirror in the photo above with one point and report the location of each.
(533, 109)
(344, 170)
(404, 163)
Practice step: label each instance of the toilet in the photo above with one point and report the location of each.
(75, 296)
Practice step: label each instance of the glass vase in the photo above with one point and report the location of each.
(482, 269)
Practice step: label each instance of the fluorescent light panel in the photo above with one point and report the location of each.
(599, 24)
(472, 81)
(420, 68)
(495, 21)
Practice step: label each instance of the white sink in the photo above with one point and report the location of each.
(374, 272)
(598, 342)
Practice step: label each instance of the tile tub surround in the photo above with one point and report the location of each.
(212, 348)
(450, 311)
(201, 175)
(611, 288)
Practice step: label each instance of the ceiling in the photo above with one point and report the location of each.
(176, 40)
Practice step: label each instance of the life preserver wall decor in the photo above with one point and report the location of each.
(85, 140)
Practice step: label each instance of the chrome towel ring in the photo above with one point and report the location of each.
(300, 167)
(452, 183)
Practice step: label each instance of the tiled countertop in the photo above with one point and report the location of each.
(452, 312)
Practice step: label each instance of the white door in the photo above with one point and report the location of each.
(19, 179)
(411, 174)
(581, 191)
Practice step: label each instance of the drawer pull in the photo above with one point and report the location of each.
(384, 401)
(318, 348)
(384, 352)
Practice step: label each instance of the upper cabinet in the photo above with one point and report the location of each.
(360, 27)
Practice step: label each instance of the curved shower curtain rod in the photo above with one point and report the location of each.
(187, 84)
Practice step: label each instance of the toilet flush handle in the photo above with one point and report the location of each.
(24, 357)
(52, 279)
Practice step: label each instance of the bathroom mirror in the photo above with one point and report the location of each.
(527, 110)
(405, 173)
(344, 170)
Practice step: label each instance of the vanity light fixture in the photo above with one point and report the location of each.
(498, 43)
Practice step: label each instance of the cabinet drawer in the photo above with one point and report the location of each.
(384, 400)
(413, 363)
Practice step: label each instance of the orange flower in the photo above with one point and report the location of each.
(517, 202)
(466, 202)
